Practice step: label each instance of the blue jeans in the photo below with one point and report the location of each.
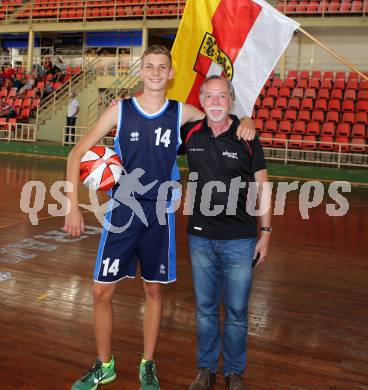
(222, 269)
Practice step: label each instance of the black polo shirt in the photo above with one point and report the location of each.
(219, 210)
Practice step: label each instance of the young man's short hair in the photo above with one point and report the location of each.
(157, 49)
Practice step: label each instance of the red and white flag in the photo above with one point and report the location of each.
(240, 39)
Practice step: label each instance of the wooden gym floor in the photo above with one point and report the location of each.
(308, 319)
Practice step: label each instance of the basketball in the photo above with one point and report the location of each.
(100, 168)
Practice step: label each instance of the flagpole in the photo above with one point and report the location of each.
(343, 60)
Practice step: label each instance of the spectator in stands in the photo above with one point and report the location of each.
(47, 90)
(47, 65)
(6, 110)
(27, 86)
(18, 84)
(8, 76)
(39, 71)
(58, 62)
(57, 74)
(73, 110)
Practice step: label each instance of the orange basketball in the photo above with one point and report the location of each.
(100, 168)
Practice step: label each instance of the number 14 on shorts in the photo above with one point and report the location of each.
(112, 268)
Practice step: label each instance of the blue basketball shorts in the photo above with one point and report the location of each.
(126, 240)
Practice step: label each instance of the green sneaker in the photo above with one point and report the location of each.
(148, 377)
(95, 376)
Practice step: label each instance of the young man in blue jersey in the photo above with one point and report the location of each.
(148, 135)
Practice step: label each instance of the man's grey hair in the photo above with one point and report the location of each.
(216, 77)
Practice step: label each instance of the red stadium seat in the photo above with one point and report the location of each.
(258, 124)
(295, 141)
(285, 127)
(357, 7)
(309, 142)
(310, 93)
(361, 117)
(24, 114)
(273, 92)
(353, 76)
(263, 113)
(344, 8)
(304, 116)
(302, 83)
(294, 104)
(334, 105)
(363, 85)
(348, 117)
(281, 102)
(339, 83)
(343, 148)
(257, 104)
(304, 74)
(321, 105)
(332, 116)
(318, 116)
(270, 126)
(336, 94)
(352, 84)
(316, 75)
(326, 143)
(290, 115)
(268, 102)
(289, 83)
(298, 93)
(358, 130)
(348, 106)
(340, 76)
(307, 104)
(362, 105)
(312, 128)
(266, 140)
(279, 140)
(276, 114)
(358, 145)
(284, 92)
(328, 75)
(362, 94)
(277, 83)
(350, 94)
(323, 93)
(293, 74)
(343, 130)
(328, 129)
(3, 92)
(326, 84)
(299, 127)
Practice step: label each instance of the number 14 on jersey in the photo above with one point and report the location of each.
(164, 138)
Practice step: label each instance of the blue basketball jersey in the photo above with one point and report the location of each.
(149, 142)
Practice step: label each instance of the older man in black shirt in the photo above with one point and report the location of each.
(223, 236)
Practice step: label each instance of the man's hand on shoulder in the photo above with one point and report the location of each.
(246, 129)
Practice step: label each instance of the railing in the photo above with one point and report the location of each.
(340, 155)
(323, 8)
(18, 132)
(72, 135)
(53, 101)
(84, 11)
(125, 83)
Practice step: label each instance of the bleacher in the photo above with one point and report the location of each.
(71, 10)
(314, 111)
(25, 106)
(322, 7)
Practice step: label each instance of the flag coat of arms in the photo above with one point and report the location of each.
(238, 39)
